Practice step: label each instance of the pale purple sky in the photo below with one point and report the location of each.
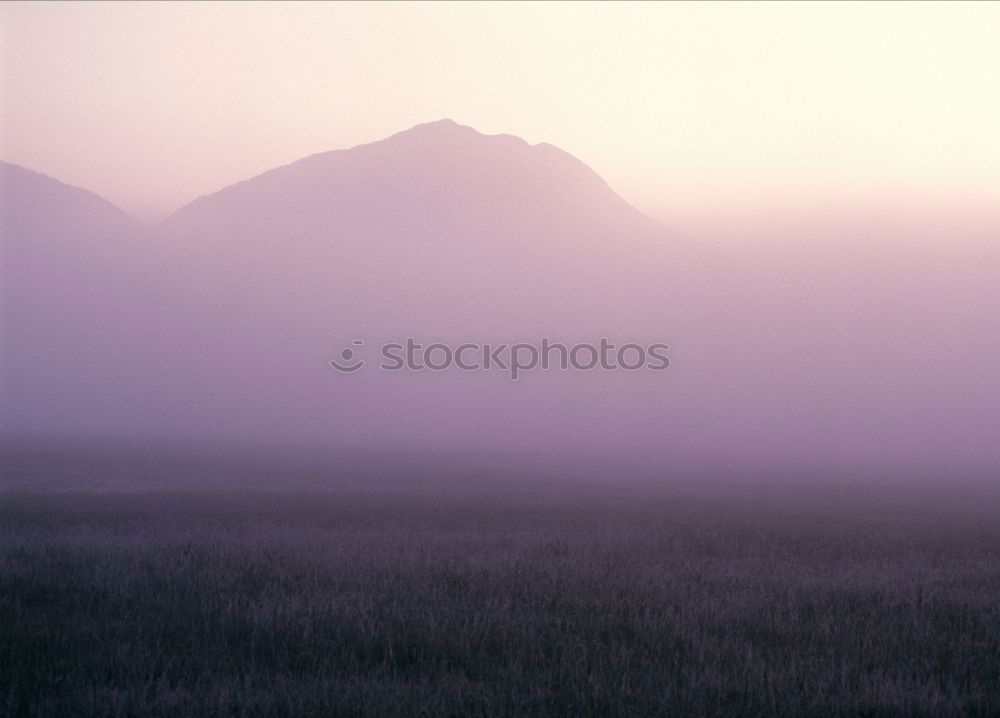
(693, 112)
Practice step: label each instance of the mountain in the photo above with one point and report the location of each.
(837, 348)
(423, 174)
(33, 204)
(71, 279)
(437, 221)
(220, 322)
(57, 240)
(438, 233)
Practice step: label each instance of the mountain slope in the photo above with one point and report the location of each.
(73, 286)
(437, 221)
(34, 204)
(438, 233)
(423, 174)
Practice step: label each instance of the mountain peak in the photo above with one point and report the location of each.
(440, 168)
(448, 130)
(443, 122)
(442, 128)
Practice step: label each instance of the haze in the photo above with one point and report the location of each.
(699, 114)
(218, 498)
(840, 316)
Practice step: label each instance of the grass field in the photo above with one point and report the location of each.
(219, 602)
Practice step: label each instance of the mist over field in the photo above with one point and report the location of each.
(662, 381)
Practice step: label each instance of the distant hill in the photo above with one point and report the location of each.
(440, 233)
(435, 224)
(72, 277)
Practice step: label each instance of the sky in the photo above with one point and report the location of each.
(695, 113)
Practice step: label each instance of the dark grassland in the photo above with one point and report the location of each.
(341, 602)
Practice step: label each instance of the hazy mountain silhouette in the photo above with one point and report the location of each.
(420, 175)
(438, 233)
(833, 350)
(73, 282)
(34, 204)
(438, 221)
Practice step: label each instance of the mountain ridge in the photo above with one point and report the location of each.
(16, 181)
(445, 128)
